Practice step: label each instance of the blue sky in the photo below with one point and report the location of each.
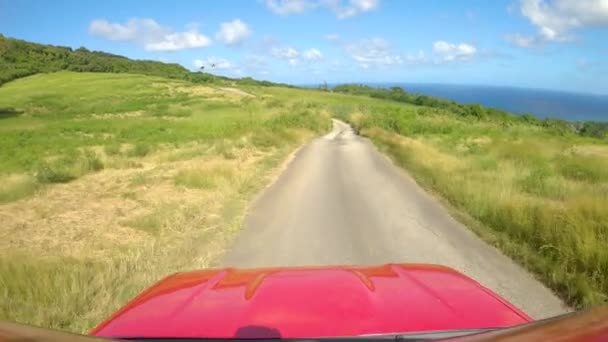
(552, 44)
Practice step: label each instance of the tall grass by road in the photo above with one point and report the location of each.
(112, 181)
(109, 182)
(540, 195)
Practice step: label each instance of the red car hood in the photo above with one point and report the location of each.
(311, 302)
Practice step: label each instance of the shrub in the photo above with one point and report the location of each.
(65, 169)
(57, 171)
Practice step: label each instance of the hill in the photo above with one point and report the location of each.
(97, 170)
(19, 58)
(111, 181)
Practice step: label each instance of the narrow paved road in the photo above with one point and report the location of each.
(341, 202)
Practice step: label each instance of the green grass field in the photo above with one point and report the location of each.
(111, 181)
(539, 195)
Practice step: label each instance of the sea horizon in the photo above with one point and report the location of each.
(542, 103)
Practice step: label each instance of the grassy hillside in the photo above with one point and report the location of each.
(536, 189)
(109, 182)
(537, 192)
(476, 111)
(19, 58)
(103, 177)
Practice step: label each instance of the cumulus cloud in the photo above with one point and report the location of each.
(522, 40)
(213, 63)
(373, 52)
(312, 54)
(179, 41)
(555, 20)
(288, 53)
(449, 52)
(377, 52)
(233, 32)
(294, 56)
(418, 58)
(351, 8)
(149, 34)
(289, 7)
(218, 65)
(342, 9)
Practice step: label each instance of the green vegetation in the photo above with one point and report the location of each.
(591, 129)
(537, 191)
(67, 168)
(19, 59)
(103, 175)
(109, 182)
(204, 178)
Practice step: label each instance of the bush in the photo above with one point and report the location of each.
(57, 171)
(66, 169)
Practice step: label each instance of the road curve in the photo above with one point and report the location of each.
(341, 202)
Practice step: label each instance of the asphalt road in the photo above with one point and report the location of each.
(340, 202)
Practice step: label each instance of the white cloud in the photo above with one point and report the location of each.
(373, 52)
(288, 7)
(218, 65)
(294, 56)
(556, 19)
(312, 54)
(214, 63)
(449, 52)
(285, 52)
(135, 29)
(343, 9)
(179, 41)
(377, 52)
(352, 8)
(522, 40)
(149, 34)
(288, 53)
(233, 32)
(419, 58)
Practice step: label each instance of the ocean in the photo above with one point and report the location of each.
(541, 103)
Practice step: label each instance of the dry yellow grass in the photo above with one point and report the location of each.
(131, 226)
(107, 197)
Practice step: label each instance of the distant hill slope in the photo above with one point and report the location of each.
(19, 58)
